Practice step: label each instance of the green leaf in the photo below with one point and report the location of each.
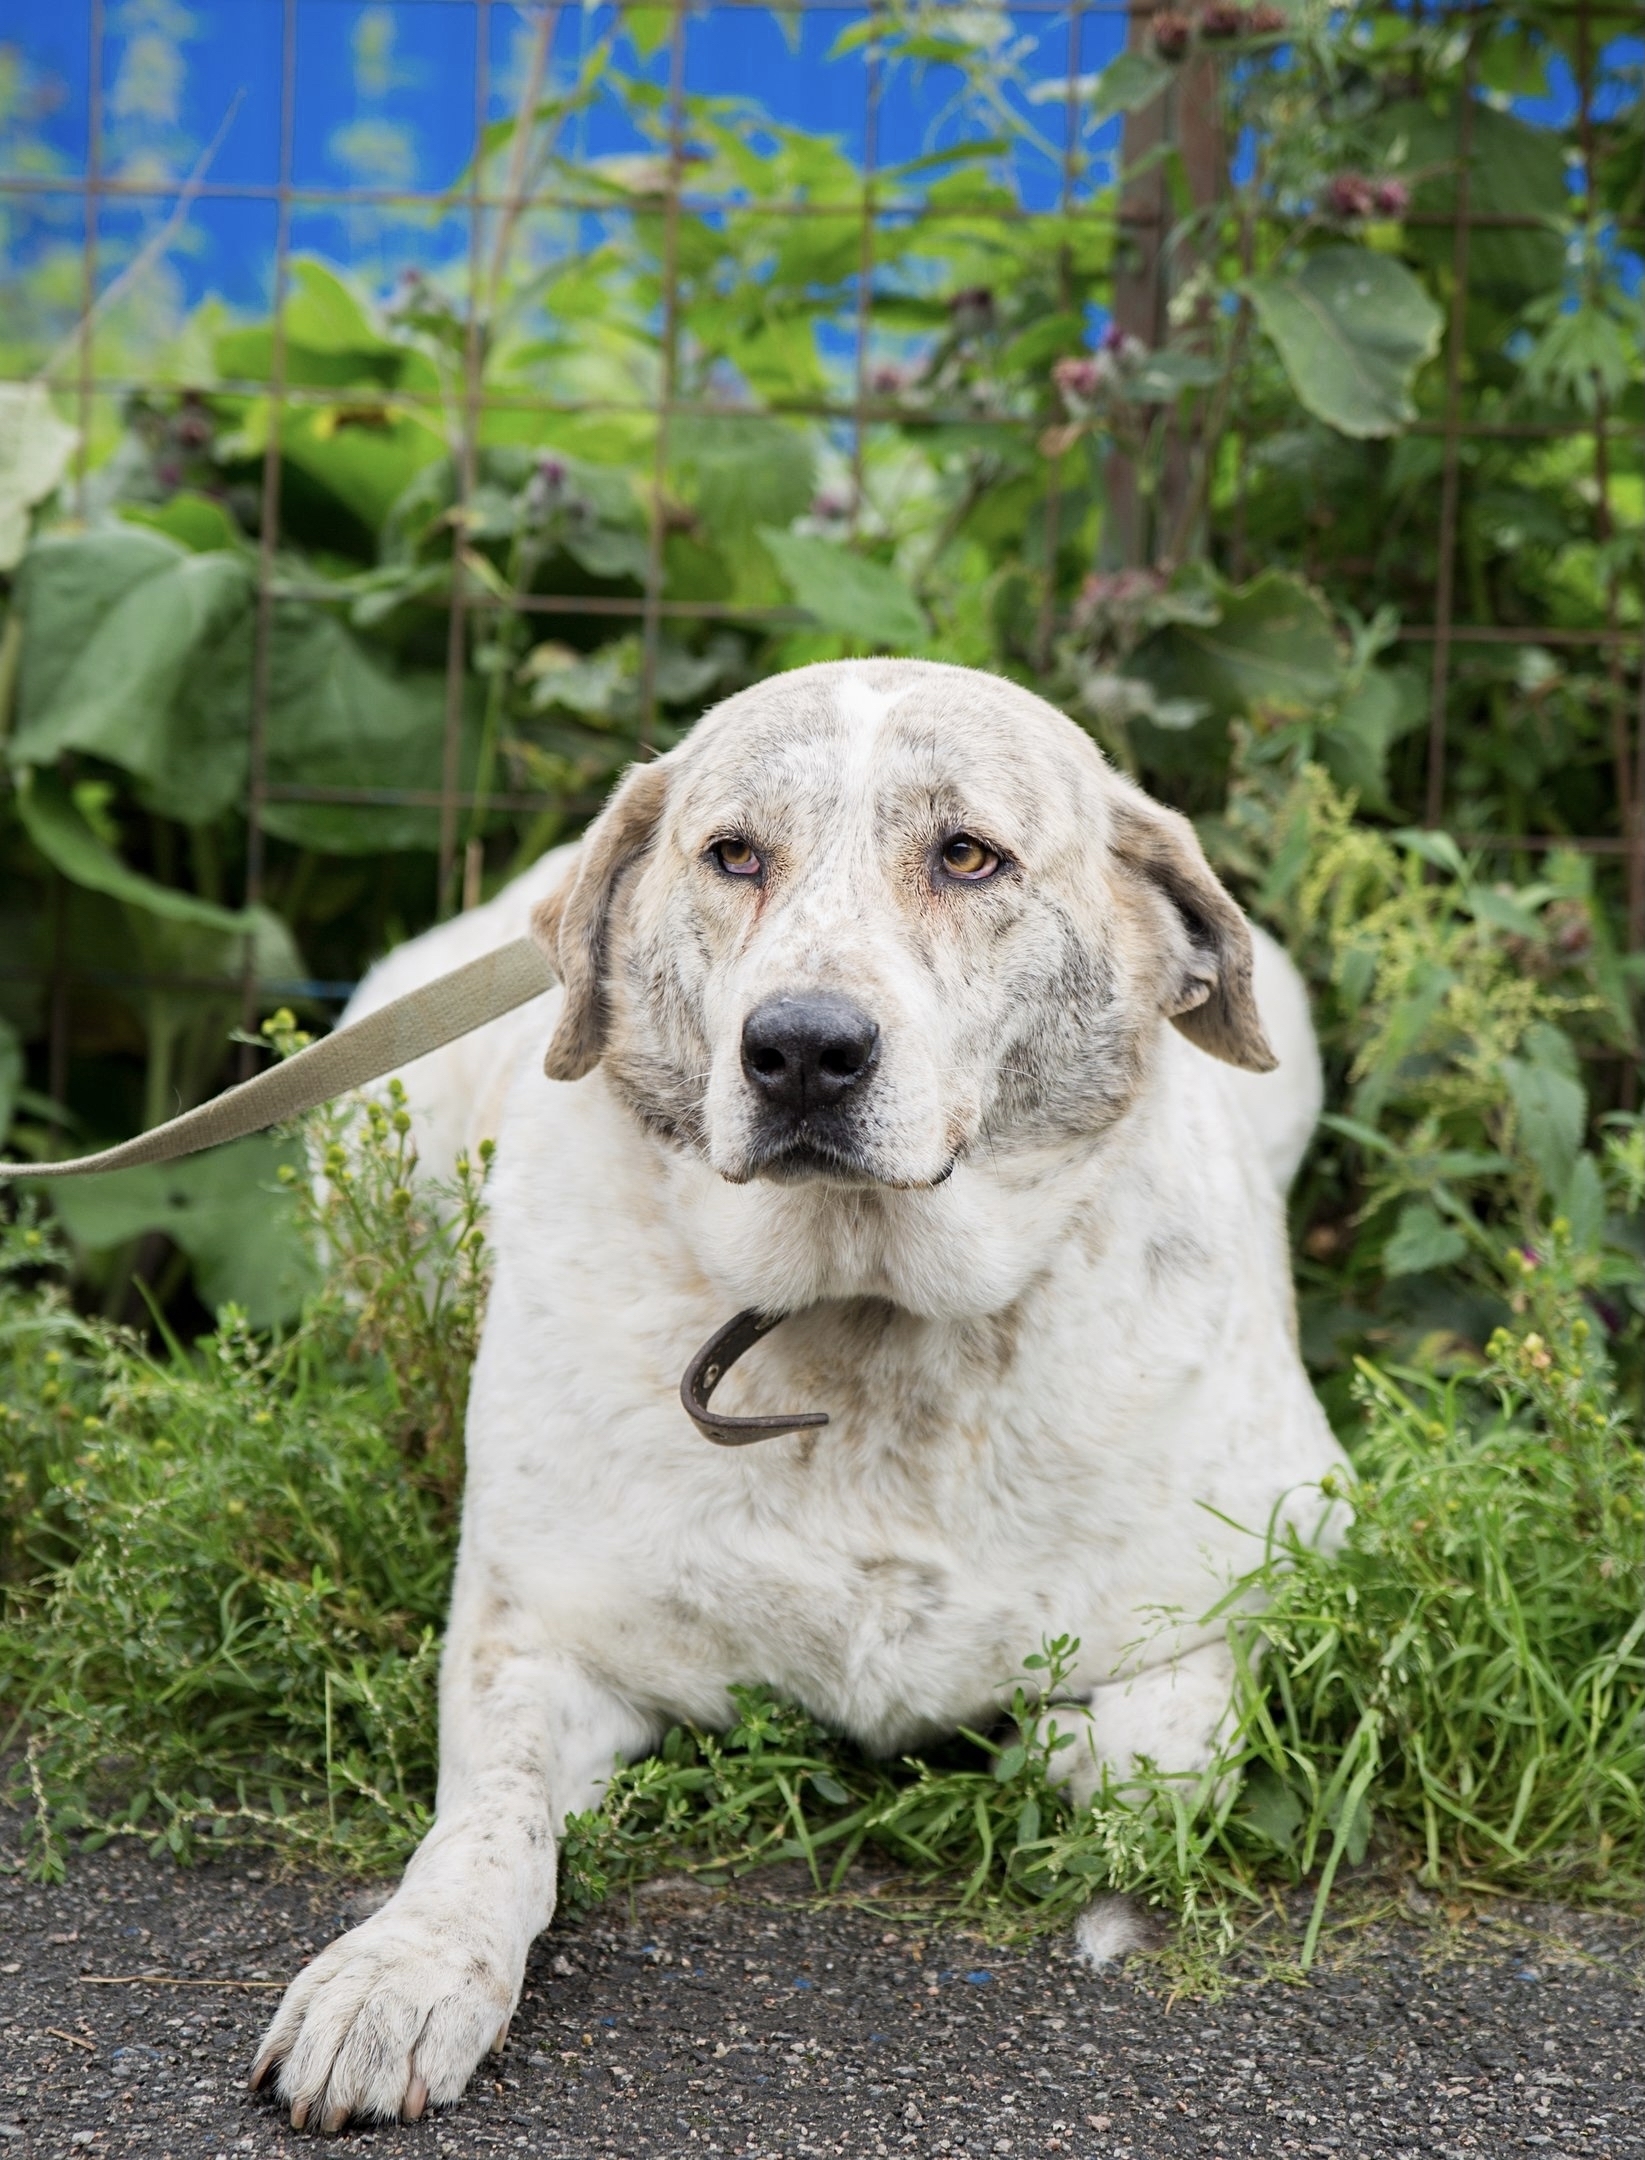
(193, 521)
(1422, 1240)
(1516, 172)
(1503, 912)
(1583, 358)
(830, 1789)
(1550, 1110)
(1583, 1205)
(977, 150)
(11, 1073)
(1032, 351)
(1270, 644)
(1271, 1808)
(740, 474)
(35, 448)
(1009, 1762)
(339, 718)
(1354, 742)
(743, 472)
(59, 829)
(64, 589)
(1427, 987)
(648, 28)
(1133, 80)
(1352, 328)
(1436, 847)
(1163, 376)
(139, 652)
(366, 459)
(174, 931)
(866, 601)
(1358, 1836)
(326, 315)
(223, 1208)
(329, 337)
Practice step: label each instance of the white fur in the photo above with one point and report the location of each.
(1064, 1383)
(1108, 1928)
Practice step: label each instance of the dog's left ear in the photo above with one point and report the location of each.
(1207, 990)
(571, 924)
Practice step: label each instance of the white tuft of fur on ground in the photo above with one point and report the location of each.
(1107, 1929)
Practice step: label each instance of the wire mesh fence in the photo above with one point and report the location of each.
(928, 241)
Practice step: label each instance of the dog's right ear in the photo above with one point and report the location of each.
(571, 924)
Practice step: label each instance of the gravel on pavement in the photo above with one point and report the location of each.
(752, 2023)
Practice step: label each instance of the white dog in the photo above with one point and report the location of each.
(889, 1006)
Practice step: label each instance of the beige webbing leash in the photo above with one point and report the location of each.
(424, 1019)
(410, 1027)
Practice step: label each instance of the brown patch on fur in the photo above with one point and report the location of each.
(843, 1361)
(848, 1359)
(991, 1340)
(488, 1659)
(1173, 1254)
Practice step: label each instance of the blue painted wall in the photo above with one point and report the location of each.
(386, 93)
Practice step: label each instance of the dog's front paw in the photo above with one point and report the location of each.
(388, 2018)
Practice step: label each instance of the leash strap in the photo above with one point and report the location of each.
(396, 1034)
(424, 1019)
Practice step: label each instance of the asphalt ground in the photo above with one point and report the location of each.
(751, 2023)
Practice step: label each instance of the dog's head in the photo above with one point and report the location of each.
(872, 916)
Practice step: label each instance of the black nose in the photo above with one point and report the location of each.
(803, 1053)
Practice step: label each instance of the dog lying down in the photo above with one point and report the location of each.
(887, 1005)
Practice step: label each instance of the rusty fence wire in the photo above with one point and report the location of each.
(1174, 161)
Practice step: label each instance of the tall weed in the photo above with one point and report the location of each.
(1464, 1021)
(225, 1566)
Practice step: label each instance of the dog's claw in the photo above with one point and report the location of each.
(501, 2040)
(260, 2070)
(416, 2099)
(334, 2118)
(299, 2114)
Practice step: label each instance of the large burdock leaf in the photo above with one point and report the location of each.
(1352, 328)
(1268, 643)
(330, 336)
(745, 470)
(224, 1208)
(176, 930)
(35, 447)
(339, 718)
(186, 957)
(139, 651)
(1516, 193)
(866, 601)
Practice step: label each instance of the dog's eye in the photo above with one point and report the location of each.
(967, 857)
(736, 858)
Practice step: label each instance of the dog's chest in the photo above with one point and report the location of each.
(1059, 1467)
(893, 1570)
